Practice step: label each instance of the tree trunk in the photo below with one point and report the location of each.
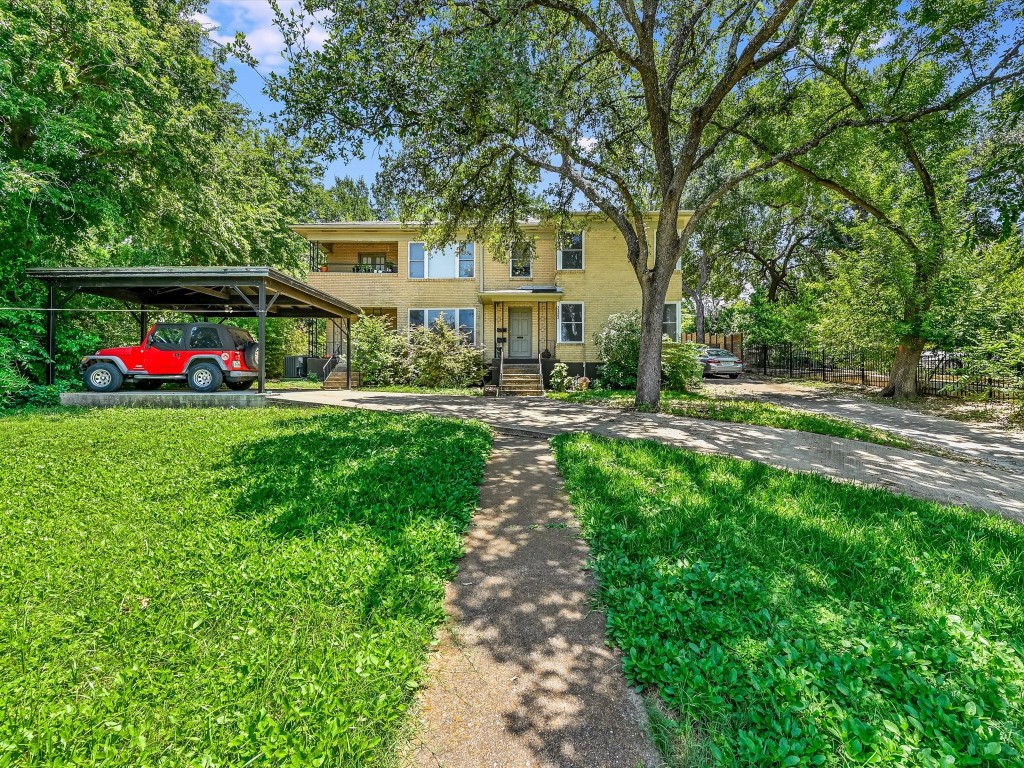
(903, 377)
(648, 375)
(698, 317)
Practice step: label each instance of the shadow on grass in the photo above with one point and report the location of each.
(404, 487)
(749, 595)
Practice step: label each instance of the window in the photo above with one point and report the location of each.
(168, 337)
(521, 263)
(458, 260)
(570, 322)
(570, 251)
(204, 337)
(465, 317)
(670, 321)
(416, 260)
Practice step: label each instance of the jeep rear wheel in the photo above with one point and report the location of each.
(204, 377)
(102, 377)
(238, 386)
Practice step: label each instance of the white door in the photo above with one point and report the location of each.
(520, 332)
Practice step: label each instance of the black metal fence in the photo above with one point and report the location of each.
(945, 375)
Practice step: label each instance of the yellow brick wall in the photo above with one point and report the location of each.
(606, 285)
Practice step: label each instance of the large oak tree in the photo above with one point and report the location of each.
(490, 111)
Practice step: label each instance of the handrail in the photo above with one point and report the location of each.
(540, 371)
(501, 365)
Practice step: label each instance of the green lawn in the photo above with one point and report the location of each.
(786, 619)
(701, 406)
(213, 587)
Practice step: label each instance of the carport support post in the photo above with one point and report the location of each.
(262, 333)
(51, 334)
(348, 353)
(143, 324)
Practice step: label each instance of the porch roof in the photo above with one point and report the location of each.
(532, 293)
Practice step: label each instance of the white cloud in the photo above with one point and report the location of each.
(255, 18)
(586, 143)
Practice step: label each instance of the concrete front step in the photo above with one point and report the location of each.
(531, 369)
(521, 392)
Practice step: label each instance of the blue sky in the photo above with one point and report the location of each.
(254, 17)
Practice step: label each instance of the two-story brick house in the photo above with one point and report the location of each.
(546, 307)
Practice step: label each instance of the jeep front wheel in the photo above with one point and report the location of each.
(102, 377)
(204, 377)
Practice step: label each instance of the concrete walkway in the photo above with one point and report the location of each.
(524, 677)
(998, 447)
(998, 489)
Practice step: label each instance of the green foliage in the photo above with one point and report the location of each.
(11, 381)
(211, 587)
(380, 352)
(681, 365)
(120, 146)
(441, 358)
(618, 349)
(561, 381)
(792, 620)
(698, 406)
(427, 358)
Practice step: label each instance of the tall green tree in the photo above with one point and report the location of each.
(491, 111)
(119, 145)
(909, 183)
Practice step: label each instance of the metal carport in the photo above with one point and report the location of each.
(203, 291)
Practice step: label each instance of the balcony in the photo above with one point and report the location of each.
(354, 258)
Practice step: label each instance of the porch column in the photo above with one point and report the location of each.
(51, 334)
(262, 340)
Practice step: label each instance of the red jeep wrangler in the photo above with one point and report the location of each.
(203, 354)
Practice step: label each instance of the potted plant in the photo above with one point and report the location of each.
(323, 267)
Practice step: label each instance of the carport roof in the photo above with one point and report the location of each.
(201, 290)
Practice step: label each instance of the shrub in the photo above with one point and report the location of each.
(11, 381)
(618, 346)
(560, 379)
(681, 365)
(380, 352)
(441, 358)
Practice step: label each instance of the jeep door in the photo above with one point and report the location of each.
(162, 352)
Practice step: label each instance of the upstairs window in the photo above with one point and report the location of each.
(458, 260)
(570, 251)
(670, 321)
(521, 263)
(570, 322)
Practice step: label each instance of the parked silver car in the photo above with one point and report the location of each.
(721, 362)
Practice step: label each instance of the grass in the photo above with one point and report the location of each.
(700, 406)
(785, 619)
(212, 587)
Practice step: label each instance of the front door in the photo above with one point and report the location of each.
(520, 332)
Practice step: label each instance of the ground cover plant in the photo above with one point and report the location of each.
(222, 587)
(786, 619)
(701, 406)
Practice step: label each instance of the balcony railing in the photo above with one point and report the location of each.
(360, 269)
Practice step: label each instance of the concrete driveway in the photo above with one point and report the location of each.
(991, 445)
(999, 489)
